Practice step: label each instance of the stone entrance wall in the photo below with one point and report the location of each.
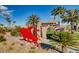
(43, 28)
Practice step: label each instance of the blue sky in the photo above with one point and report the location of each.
(21, 12)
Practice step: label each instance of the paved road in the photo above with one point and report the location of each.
(73, 50)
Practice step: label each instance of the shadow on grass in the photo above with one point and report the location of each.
(47, 46)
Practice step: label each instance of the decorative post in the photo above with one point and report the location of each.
(41, 30)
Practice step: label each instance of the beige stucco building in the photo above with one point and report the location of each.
(43, 26)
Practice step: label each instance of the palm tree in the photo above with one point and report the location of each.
(54, 13)
(8, 20)
(58, 11)
(76, 12)
(14, 23)
(1, 25)
(71, 16)
(33, 19)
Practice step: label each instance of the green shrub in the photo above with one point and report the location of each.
(33, 47)
(2, 31)
(63, 38)
(52, 34)
(8, 29)
(59, 36)
(2, 39)
(15, 32)
(22, 44)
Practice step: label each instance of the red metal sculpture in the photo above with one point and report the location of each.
(28, 35)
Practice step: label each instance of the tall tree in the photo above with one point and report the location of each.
(33, 19)
(1, 25)
(71, 16)
(14, 23)
(54, 13)
(58, 11)
(8, 20)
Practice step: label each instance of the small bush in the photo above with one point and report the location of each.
(51, 34)
(32, 47)
(4, 43)
(13, 44)
(32, 51)
(22, 44)
(2, 39)
(10, 48)
(2, 31)
(15, 32)
(8, 29)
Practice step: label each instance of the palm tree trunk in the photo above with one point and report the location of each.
(54, 17)
(71, 27)
(9, 24)
(75, 26)
(59, 19)
(34, 29)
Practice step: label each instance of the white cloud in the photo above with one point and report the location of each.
(3, 8)
(5, 12)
